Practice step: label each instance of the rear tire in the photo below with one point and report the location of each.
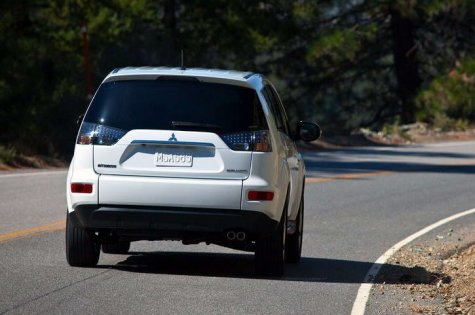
(116, 248)
(293, 245)
(270, 250)
(82, 249)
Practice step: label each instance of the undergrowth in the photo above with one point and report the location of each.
(7, 154)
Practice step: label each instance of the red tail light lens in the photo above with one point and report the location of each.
(260, 195)
(81, 188)
(258, 141)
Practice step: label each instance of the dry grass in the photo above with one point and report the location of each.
(460, 294)
(422, 309)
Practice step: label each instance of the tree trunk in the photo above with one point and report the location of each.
(406, 65)
(170, 54)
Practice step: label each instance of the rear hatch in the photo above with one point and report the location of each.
(174, 128)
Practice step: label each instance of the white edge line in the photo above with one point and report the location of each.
(359, 305)
(33, 174)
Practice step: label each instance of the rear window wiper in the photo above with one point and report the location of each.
(195, 125)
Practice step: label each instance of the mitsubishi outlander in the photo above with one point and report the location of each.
(194, 155)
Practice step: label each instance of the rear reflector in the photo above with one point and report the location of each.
(81, 188)
(260, 195)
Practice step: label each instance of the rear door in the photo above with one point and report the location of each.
(174, 128)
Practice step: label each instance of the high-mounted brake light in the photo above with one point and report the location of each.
(81, 188)
(99, 134)
(260, 195)
(248, 141)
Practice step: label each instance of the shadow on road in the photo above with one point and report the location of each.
(344, 167)
(398, 159)
(404, 152)
(242, 266)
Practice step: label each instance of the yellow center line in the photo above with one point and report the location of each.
(314, 180)
(47, 228)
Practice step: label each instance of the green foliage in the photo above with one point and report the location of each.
(450, 97)
(7, 154)
(341, 44)
(445, 123)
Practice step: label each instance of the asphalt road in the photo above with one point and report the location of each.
(359, 202)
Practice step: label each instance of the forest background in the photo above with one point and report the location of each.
(345, 64)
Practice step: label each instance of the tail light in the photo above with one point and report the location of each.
(99, 134)
(248, 141)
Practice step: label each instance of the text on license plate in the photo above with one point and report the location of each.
(164, 159)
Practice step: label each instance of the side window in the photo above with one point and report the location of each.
(281, 109)
(274, 107)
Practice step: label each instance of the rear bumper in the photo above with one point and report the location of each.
(169, 192)
(162, 221)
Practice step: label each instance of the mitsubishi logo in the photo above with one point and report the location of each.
(173, 138)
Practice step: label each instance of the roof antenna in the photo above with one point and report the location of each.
(182, 63)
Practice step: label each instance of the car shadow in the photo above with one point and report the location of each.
(309, 269)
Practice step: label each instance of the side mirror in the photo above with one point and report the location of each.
(308, 131)
(79, 120)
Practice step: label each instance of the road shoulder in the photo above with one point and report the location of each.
(432, 275)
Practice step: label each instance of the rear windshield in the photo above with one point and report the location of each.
(176, 104)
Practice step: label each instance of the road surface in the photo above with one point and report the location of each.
(359, 203)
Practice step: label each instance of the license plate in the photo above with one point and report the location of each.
(165, 159)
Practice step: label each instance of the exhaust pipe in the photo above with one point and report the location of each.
(230, 236)
(240, 236)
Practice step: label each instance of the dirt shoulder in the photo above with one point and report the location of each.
(435, 275)
(417, 133)
(21, 161)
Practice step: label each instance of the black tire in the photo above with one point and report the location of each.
(293, 244)
(270, 250)
(116, 248)
(82, 250)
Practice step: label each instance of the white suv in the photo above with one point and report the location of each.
(187, 154)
